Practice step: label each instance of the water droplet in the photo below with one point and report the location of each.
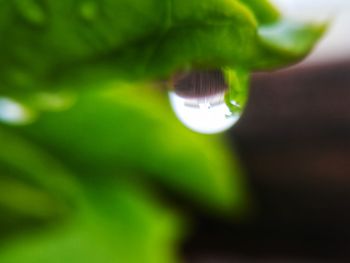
(12, 112)
(198, 100)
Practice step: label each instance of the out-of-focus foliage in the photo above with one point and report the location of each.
(80, 181)
(78, 191)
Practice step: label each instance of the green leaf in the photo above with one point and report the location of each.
(57, 41)
(264, 11)
(131, 127)
(26, 162)
(237, 94)
(286, 42)
(35, 189)
(75, 184)
(49, 214)
(124, 224)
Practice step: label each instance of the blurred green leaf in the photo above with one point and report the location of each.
(263, 10)
(22, 161)
(123, 224)
(35, 189)
(49, 214)
(287, 41)
(131, 127)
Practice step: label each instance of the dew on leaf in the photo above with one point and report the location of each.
(198, 100)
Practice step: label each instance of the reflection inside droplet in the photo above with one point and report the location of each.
(205, 115)
(12, 112)
(198, 100)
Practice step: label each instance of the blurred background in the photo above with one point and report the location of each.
(295, 146)
(336, 44)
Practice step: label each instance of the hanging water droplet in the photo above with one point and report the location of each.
(198, 100)
(12, 112)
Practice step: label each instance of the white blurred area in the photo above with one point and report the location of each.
(207, 115)
(336, 44)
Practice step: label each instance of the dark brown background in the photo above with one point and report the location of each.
(294, 141)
